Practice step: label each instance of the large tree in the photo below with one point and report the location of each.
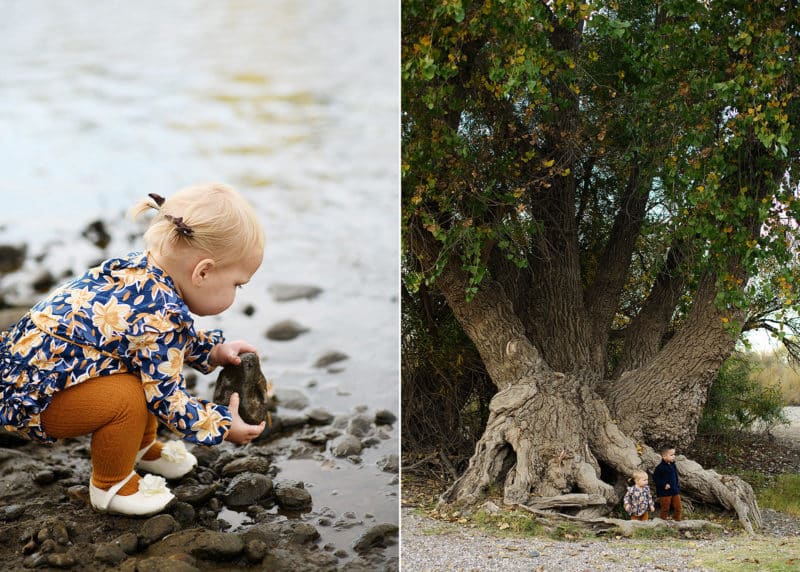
(594, 189)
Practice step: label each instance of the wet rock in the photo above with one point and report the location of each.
(314, 437)
(255, 551)
(158, 564)
(246, 465)
(289, 292)
(285, 330)
(303, 533)
(200, 543)
(389, 464)
(247, 380)
(206, 456)
(194, 494)
(249, 310)
(375, 536)
(292, 422)
(293, 498)
(289, 398)
(346, 445)
(156, 528)
(44, 477)
(109, 553)
(128, 543)
(11, 512)
(359, 426)
(246, 489)
(43, 282)
(329, 358)
(183, 512)
(384, 417)
(96, 233)
(320, 416)
(11, 258)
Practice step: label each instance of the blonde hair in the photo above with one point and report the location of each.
(635, 475)
(213, 218)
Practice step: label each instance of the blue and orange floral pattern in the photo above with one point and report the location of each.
(124, 316)
(638, 500)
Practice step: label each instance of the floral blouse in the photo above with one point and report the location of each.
(123, 316)
(638, 500)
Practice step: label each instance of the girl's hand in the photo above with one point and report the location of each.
(228, 353)
(241, 432)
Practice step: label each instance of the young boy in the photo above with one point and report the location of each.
(667, 489)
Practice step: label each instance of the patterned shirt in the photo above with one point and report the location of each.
(638, 500)
(124, 316)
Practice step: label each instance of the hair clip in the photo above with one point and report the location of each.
(157, 198)
(180, 226)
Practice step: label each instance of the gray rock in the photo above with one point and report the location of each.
(11, 258)
(375, 536)
(255, 551)
(128, 543)
(246, 489)
(346, 445)
(246, 465)
(389, 464)
(329, 358)
(194, 494)
(285, 330)
(293, 498)
(247, 380)
(303, 533)
(384, 417)
(359, 426)
(200, 543)
(156, 528)
(183, 512)
(320, 416)
(289, 292)
(289, 398)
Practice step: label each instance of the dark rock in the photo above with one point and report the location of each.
(79, 493)
(359, 426)
(109, 553)
(206, 456)
(246, 489)
(194, 494)
(247, 380)
(183, 512)
(97, 234)
(389, 464)
(303, 533)
(249, 310)
(11, 258)
(289, 398)
(289, 292)
(128, 543)
(384, 417)
(246, 465)
(11, 512)
(255, 551)
(292, 422)
(329, 358)
(285, 330)
(375, 536)
(293, 498)
(346, 445)
(44, 282)
(200, 543)
(320, 416)
(44, 477)
(156, 528)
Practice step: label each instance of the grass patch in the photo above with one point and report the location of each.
(658, 533)
(507, 523)
(783, 495)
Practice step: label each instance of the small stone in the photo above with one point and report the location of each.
(255, 550)
(293, 498)
(375, 536)
(194, 494)
(183, 512)
(389, 464)
(156, 528)
(61, 560)
(248, 381)
(96, 233)
(346, 445)
(360, 426)
(285, 331)
(43, 282)
(44, 477)
(11, 512)
(289, 292)
(128, 543)
(384, 417)
(303, 533)
(246, 465)
(246, 489)
(329, 358)
(249, 310)
(109, 553)
(290, 398)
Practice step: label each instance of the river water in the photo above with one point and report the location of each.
(294, 103)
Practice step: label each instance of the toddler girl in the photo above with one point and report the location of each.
(103, 354)
(638, 501)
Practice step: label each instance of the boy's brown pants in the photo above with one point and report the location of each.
(114, 411)
(666, 502)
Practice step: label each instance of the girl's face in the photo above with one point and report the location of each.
(211, 288)
(641, 481)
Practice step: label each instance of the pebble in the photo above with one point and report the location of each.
(330, 358)
(289, 292)
(319, 416)
(156, 528)
(290, 398)
(293, 498)
(110, 553)
(246, 489)
(285, 331)
(389, 464)
(249, 464)
(346, 445)
(359, 426)
(375, 536)
(384, 417)
(194, 494)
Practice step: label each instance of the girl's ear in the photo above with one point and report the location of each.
(201, 270)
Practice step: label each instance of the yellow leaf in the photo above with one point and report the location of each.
(548, 163)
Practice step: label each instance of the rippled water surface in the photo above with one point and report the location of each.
(294, 103)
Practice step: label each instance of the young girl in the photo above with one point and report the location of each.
(103, 354)
(638, 501)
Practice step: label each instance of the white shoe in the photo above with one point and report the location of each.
(153, 496)
(175, 461)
